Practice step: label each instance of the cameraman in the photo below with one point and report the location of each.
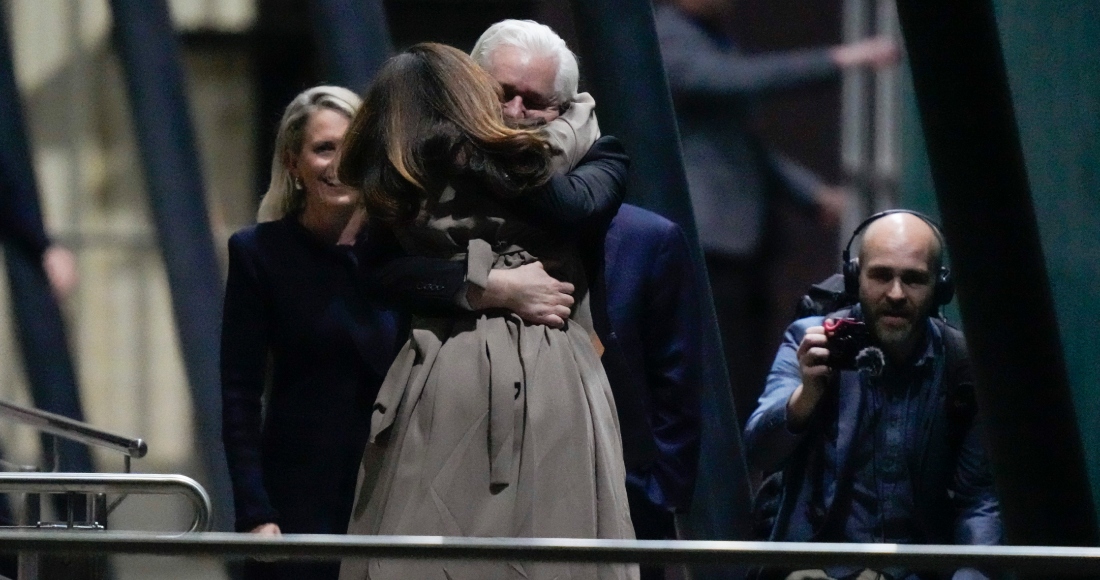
(892, 456)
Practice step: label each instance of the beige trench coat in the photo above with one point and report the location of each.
(489, 426)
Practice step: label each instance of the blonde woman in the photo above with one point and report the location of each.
(292, 298)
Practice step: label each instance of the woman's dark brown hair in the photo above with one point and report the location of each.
(432, 115)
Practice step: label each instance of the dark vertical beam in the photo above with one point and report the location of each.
(151, 58)
(1004, 294)
(623, 70)
(41, 328)
(354, 39)
(283, 58)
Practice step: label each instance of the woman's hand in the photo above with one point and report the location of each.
(528, 291)
(269, 529)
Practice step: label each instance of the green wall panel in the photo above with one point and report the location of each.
(1052, 51)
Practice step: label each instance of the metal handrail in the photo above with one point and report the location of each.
(794, 555)
(115, 483)
(75, 430)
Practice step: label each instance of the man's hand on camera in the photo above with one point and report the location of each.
(529, 291)
(813, 353)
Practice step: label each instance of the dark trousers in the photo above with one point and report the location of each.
(740, 287)
(650, 523)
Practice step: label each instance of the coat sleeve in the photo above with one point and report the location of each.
(697, 67)
(244, 353)
(978, 511)
(978, 519)
(20, 215)
(585, 198)
(768, 440)
(590, 194)
(673, 355)
(418, 284)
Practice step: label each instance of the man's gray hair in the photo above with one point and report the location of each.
(537, 40)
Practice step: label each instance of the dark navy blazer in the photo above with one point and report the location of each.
(294, 300)
(654, 314)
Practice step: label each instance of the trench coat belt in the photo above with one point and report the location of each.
(500, 369)
(502, 372)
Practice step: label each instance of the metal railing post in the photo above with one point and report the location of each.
(66, 428)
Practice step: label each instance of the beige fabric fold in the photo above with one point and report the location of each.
(479, 261)
(573, 133)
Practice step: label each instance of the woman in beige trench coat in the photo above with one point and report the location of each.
(485, 425)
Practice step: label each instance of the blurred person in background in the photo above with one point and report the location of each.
(21, 227)
(294, 312)
(733, 177)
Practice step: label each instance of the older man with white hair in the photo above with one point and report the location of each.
(653, 357)
(540, 78)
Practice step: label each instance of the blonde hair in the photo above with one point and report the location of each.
(432, 114)
(282, 198)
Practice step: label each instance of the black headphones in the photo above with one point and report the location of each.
(944, 288)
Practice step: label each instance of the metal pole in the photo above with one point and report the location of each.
(27, 567)
(887, 111)
(623, 69)
(151, 58)
(1044, 559)
(1004, 294)
(854, 102)
(73, 484)
(354, 39)
(60, 427)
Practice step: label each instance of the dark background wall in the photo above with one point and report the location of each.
(1051, 53)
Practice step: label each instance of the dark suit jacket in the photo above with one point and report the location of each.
(643, 308)
(731, 174)
(654, 314)
(296, 301)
